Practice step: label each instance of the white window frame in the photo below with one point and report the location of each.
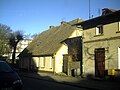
(98, 30)
(43, 62)
(37, 62)
(51, 62)
(118, 57)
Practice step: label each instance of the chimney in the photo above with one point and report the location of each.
(51, 27)
(63, 22)
(107, 11)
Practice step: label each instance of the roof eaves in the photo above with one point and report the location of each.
(113, 17)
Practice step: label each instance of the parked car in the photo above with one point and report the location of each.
(9, 79)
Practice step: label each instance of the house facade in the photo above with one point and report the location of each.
(45, 52)
(72, 62)
(101, 44)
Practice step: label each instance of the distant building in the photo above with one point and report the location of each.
(20, 47)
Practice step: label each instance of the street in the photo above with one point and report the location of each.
(37, 84)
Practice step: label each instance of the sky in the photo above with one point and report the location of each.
(35, 16)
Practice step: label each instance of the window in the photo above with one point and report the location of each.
(118, 57)
(37, 62)
(99, 30)
(43, 62)
(118, 31)
(51, 62)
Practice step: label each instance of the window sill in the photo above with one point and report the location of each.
(42, 67)
(118, 32)
(98, 35)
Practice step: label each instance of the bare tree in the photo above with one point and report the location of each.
(15, 37)
(4, 34)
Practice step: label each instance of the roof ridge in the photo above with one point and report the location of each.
(48, 42)
(75, 21)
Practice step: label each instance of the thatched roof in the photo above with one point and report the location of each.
(48, 42)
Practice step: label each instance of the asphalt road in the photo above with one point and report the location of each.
(36, 84)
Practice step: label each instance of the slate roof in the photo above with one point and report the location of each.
(49, 42)
(101, 20)
(107, 11)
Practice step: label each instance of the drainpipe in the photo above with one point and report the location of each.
(82, 56)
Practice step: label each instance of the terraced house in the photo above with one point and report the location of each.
(101, 43)
(46, 51)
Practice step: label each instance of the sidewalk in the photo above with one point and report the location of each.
(93, 84)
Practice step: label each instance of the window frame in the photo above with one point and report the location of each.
(51, 62)
(37, 62)
(43, 62)
(118, 57)
(99, 30)
(118, 31)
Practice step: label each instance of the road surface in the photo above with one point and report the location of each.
(37, 84)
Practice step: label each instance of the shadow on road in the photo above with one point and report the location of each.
(86, 83)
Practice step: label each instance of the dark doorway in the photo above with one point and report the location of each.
(100, 62)
(65, 64)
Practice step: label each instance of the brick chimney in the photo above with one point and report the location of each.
(107, 11)
(63, 22)
(51, 27)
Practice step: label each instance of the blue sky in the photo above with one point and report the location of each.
(35, 16)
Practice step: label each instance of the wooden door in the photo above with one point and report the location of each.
(100, 62)
(65, 64)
